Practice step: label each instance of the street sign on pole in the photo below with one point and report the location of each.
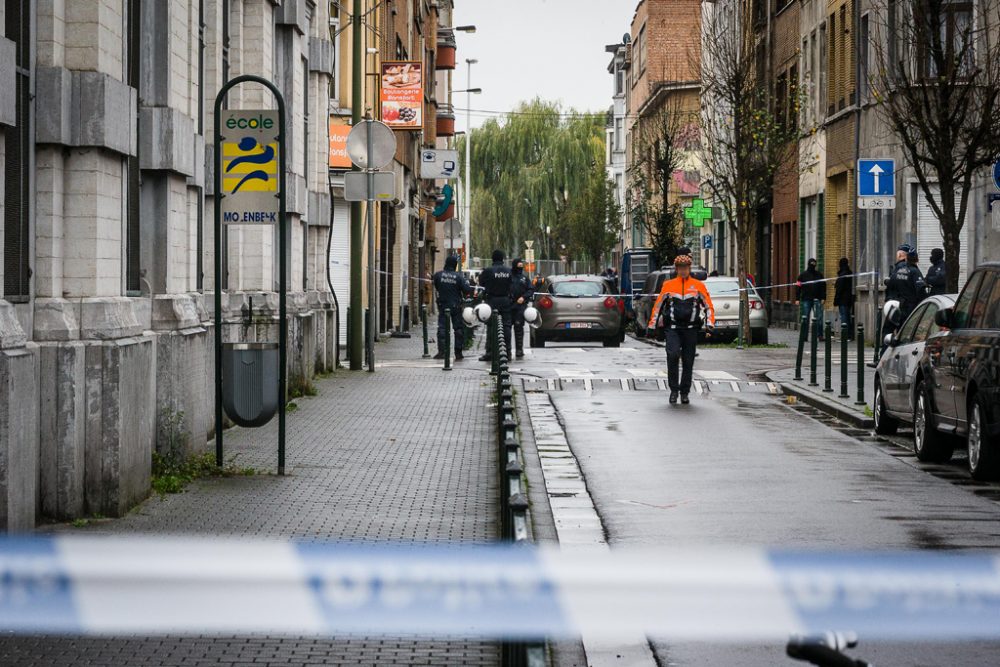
(435, 164)
(356, 186)
(249, 149)
(877, 202)
(376, 154)
(706, 242)
(876, 178)
(996, 174)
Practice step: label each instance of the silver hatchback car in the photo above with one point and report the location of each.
(579, 308)
(725, 293)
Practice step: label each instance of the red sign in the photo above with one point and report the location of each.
(402, 94)
(338, 146)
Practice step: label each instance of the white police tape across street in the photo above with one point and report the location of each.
(113, 585)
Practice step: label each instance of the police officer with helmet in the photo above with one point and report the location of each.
(451, 287)
(496, 280)
(521, 293)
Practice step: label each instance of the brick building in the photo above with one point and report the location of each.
(107, 224)
(663, 72)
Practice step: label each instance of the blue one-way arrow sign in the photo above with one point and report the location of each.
(876, 178)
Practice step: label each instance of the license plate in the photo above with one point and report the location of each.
(578, 325)
(731, 324)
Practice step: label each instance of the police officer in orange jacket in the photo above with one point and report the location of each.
(682, 308)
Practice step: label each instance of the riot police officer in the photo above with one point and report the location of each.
(906, 284)
(451, 287)
(496, 281)
(521, 293)
(937, 275)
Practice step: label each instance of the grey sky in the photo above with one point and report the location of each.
(553, 49)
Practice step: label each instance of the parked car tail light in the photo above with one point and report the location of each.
(545, 302)
(610, 302)
(756, 305)
(621, 305)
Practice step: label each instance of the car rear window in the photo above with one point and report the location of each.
(723, 288)
(577, 288)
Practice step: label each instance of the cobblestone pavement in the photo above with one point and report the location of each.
(402, 454)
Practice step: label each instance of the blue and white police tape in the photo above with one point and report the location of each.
(110, 585)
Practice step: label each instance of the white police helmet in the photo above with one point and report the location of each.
(484, 312)
(532, 318)
(469, 316)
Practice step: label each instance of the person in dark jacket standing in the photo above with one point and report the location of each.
(496, 281)
(811, 295)
(906, 285)
(521, 293)
(843, 295)
(451, 287)
(937, 276)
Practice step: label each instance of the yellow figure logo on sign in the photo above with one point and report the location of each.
(249, 166)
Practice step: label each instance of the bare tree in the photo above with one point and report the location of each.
(936, 79)
(746, 140)
(659, 144)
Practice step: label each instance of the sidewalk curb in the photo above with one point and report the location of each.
(829, 407)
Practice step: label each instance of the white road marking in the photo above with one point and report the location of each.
(715, 375)
(588, 384)
(735, 386)
(571, 372)
(646, 372)
(625, 386)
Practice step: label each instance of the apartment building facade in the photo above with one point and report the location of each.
(616, 155)
(107, 223)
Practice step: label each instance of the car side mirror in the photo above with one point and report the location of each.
(890, 340)
(945, 317)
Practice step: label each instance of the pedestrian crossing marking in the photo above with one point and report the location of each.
(646, 372)
(715, 375)
(574, 372)
(601, 384)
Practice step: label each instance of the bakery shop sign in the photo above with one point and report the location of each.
(402, 96)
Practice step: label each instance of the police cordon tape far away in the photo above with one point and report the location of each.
(103, 585)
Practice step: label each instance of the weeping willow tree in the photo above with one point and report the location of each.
(528, 169)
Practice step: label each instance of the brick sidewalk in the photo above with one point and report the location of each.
(402, 454)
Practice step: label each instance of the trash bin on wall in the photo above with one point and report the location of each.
(250, 382)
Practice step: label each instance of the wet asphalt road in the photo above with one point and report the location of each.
(742, 467)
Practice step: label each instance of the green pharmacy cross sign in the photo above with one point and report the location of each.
(697, 213)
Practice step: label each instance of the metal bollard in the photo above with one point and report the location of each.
(349, 348)
(877, 354)
(494, 344)
(844, 329)
(813, 353)
(447, 339)
(828, 362)
(861, 366)
(803, 332)
(423, 318)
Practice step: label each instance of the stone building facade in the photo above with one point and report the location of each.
(106, 309)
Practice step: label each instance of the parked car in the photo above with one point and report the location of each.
(897, 368)
(958, 379)
(579, 308)
(725, 294)
(643, 304)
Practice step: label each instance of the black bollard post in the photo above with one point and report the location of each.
(447, 339)
(495, 343)
(813, 354)
(844, 329)
(828, 361)
(861, 366)
(803, 332)
(877, 347)
(423, 318)
(349, 348)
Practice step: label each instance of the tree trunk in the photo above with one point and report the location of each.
(743, 234)
(951, 229)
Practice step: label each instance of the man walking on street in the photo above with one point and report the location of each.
(843, 295)
(937, 275)
(521, 293)
(496, 281)
(682, 308)
(451, 287)
(812, 294)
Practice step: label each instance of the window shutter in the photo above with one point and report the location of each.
(929, 236)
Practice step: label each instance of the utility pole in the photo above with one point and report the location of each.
(355, 325)
(468, 162)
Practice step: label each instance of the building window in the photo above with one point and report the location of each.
(335, 38)
(133, 175)
(944, 35)
(619, 134)
(811, 228)
(619, 80)
(822, 67)
(17, 166)
(305, 169)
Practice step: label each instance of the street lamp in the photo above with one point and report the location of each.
(468, 147)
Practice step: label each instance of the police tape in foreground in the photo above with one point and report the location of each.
(92, 585)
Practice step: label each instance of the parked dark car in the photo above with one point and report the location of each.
(897, 367)
(957, 390)
(643, 304)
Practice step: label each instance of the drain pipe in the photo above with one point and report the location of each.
(329, 280)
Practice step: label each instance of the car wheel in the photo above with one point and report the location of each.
(614, 341)
(929, 444)
(537, 339)
(884, 424)
(758, 336)
(984, 462)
